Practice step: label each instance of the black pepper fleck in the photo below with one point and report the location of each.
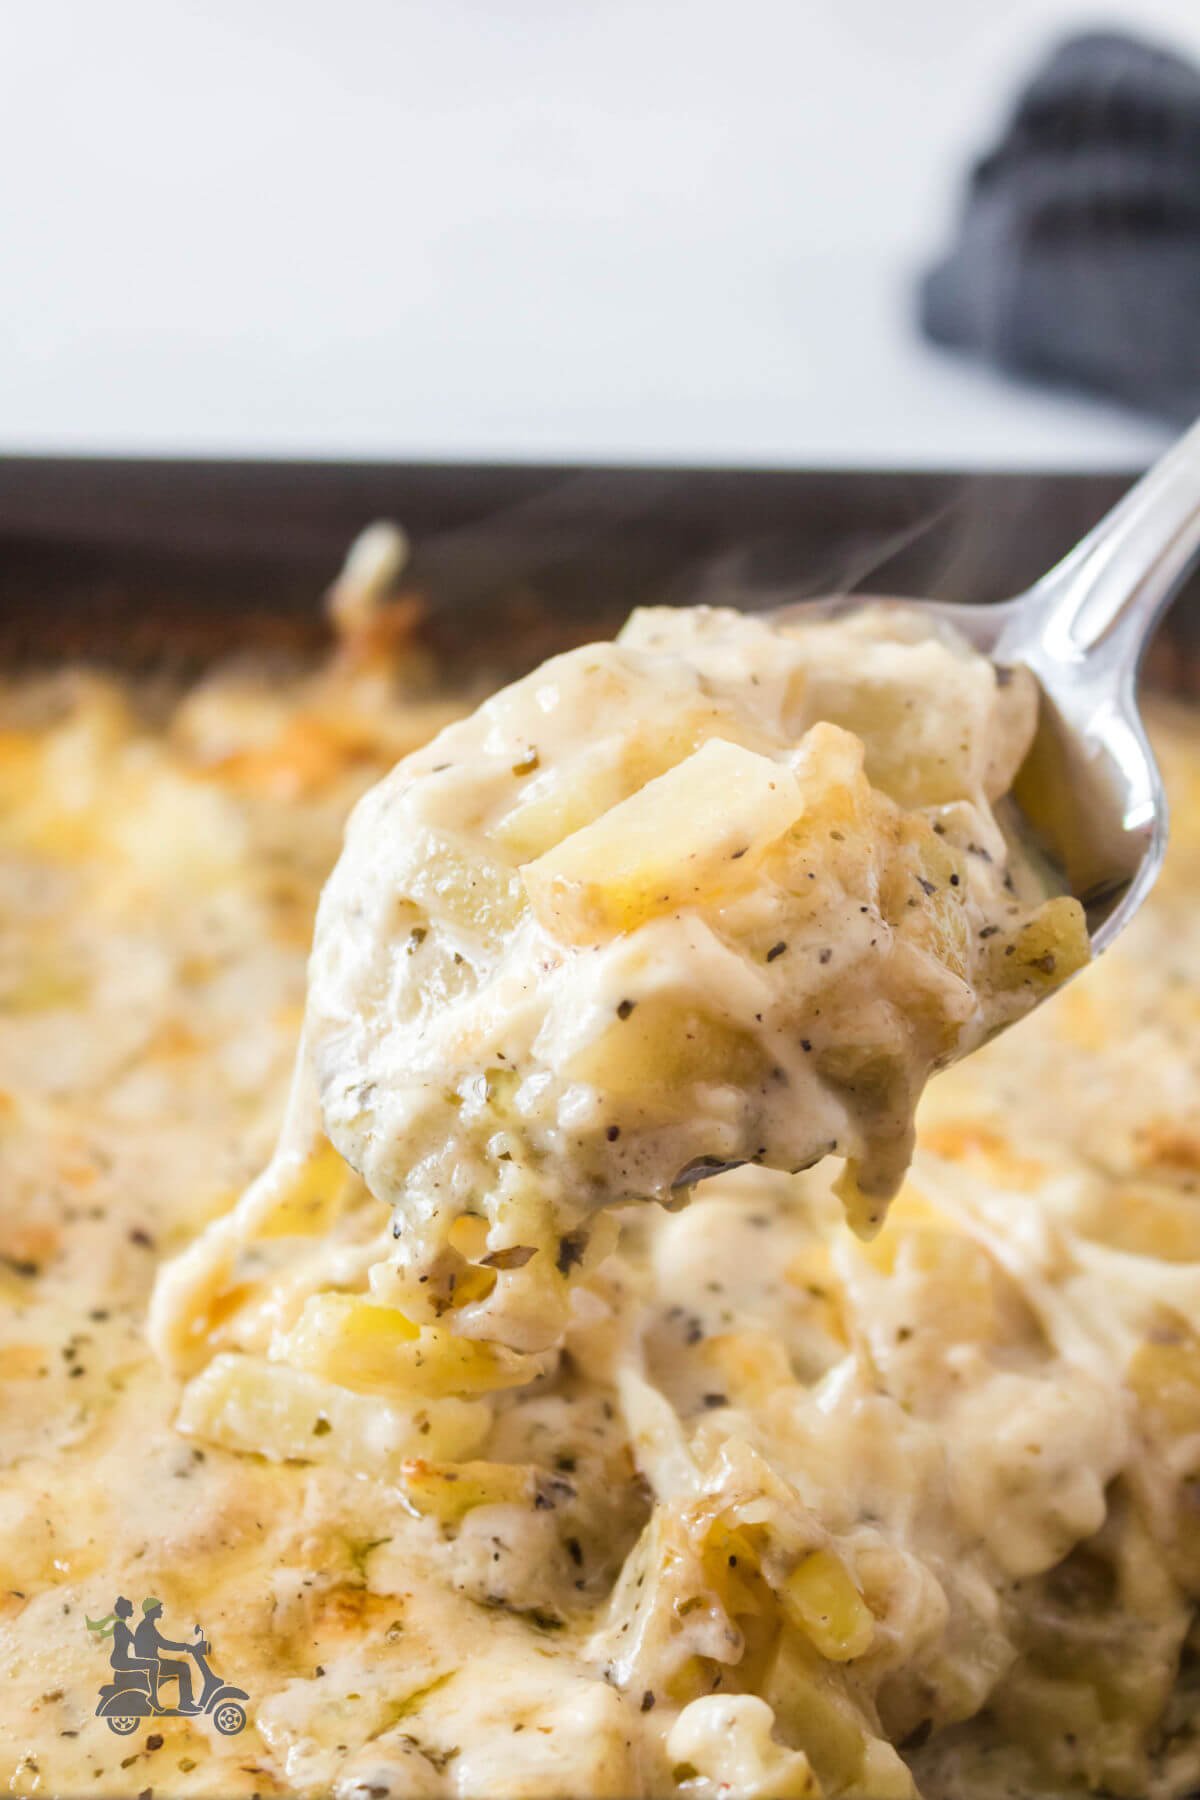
(571, 1247)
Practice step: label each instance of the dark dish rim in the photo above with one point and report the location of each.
(147, 560)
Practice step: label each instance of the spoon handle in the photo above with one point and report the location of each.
(1101, 603)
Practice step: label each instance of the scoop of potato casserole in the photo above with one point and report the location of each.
(721, 892)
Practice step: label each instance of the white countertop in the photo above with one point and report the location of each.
(599, 229)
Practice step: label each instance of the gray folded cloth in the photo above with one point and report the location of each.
(1077, 259)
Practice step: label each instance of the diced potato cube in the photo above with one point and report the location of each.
(911, 754)
(831, 770)
(820, 1599)
(563, 802)
(448, 1491)
(663, 1045)
(937, 726)
(1047, 949)
(466, 891)
(311, 1202)
(571, 796)
(816, 1714)
(923, 893)
(245, 1403)
(682, 840)
(376, 1350)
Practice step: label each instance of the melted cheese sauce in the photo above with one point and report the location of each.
(786, 1513)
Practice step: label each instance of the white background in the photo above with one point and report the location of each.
(641, 229)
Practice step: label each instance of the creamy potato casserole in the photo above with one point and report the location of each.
(382, 1321)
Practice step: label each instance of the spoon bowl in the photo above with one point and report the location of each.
(1089, 791)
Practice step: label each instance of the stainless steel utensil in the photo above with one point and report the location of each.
(1090, 787)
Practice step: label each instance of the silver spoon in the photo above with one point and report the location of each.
(1090, 788)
